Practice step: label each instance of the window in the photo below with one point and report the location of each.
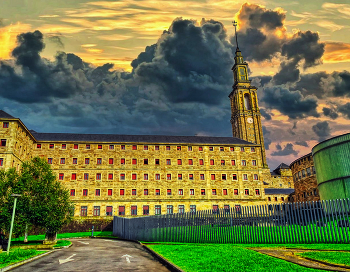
(269, 198)
(51, 146)
(181, 192)
(212, 176)
(235, 191)
(133, 176)
(223, 176)
(200, 148)
(178, 148)
(64, 146)
(222, 148)
(134, 147)
(244, 163)
(191, 191)
(49, 160)
(157, 177)
(133, 192)
(242, 149)
(145, 161)
(156, 161)
(122, 161)
(156, 147)
(252, 149)
(215, 208)
(179, 176)
(109, 210)
(238, 209)
(257, 191)
(63, 161)
(256, 177)
(192, 208)
(276, 198)
(60, 176)
(245, 177)
(122, 176)
(97, 192)
(299, 174)
(86, 176)
(75, 160)
(222, 162)
(211, 148)
(133, 210)
(85, 192)
(181, 209)
(145, 176)
(87, 146)
(232, 148)
(303, 173)
(145, 210)
(168, 191)
(282, 198)
(121, 210)
(121, 192)
(190, 176)
(201, 162)
(76, 146)
(110, 147)
(38, 146)
(168, 176)
(157, 191)
(3, 142)
(122, 147)
(110, 176)
(169, 209)
(254, 162)
(158, 210)
(179, 162)
(315, 192)
(74, 176)
(201, 176)
(227, 208)
(234, 176)
(313, 170)
(167, 147)
(145, 192)
(308, 171)
(5, 124)
(246, 191)
(87, 160)
(190, 148)
(233, 162)
(168, 162)
(134, 161)
(99, 161)
(190, 162)
(83, 211)
(224, 191)
(99, 146)
(145, 147)
(98, 176)
(211, 162)
(202, 191)
(72, 192)
(111, 161)
(213, 191)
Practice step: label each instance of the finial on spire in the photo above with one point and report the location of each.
(235, 25)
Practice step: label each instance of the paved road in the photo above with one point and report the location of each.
(96, 255)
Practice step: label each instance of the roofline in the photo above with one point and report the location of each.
(22, 124)
(300, 159)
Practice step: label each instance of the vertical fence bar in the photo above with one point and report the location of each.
(330, 220)
(339, 221)
(344, 222)
(335, 220)
(328, 237)
(347, 212)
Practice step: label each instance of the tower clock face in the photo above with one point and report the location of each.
(250, 120)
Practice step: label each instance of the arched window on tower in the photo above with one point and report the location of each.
(247, 101)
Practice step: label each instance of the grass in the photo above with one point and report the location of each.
(61, 243)
(67, 235)
(340, 258)
(17, 255)
(222, 258)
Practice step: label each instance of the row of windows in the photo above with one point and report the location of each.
(146, 147)
(156, 161)
(305, 172)
(158, 176)
(158, 192)
(146, 209)
(276, 198)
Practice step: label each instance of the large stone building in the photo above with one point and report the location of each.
(151, 174)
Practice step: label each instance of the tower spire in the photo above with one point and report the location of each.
(235, 25)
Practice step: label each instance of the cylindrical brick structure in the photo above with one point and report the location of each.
(332, 163)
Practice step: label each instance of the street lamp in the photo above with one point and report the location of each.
(13, 219)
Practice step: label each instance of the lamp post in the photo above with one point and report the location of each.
(12, 220)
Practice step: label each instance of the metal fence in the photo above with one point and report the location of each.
(301, 222)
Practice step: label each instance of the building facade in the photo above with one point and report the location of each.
(132, 175)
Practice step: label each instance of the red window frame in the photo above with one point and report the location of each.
(110, 147)
(51, 146)
(254, 162)
(232, 149)
(111, 161)
(99, 146)
(191, 191)
(201, 162)
(98, 176)
(110, 176)
(178, 147)
(87, 146)
(224, 191)
(168, 176)
(222, 148)
(179, 176)
(211, 162)
(222, 162)
(133, 192)
(211, 148)
(201, 176)
(122, 161)
(75, 161)
(157, 192)
(145, 161)
(3, 142)
(64, 146)
(168, 161)
(212, 176)
(223, 176)
(145, 176)
(134, 161)
(86, 176)
(85, 192)
(5, 125)
(256, 177)
(97, 192)
(110, 192)
(156, 161)
(145, 147)
(234, 176)
(87, 161)
(76, 146)
(245, 176)
(167, 147)
(257, 191)
(156, 147)
(202, 191)
(99, 160)
(133, 210)
(145, 209)
(74, 176)
(49, 160)
(38, 145)
(213, 191)
(181, 192)
(134, 147)
(168, 191)
(72, 192)
(200, 148)
(190, 176)
(121, 192)
(235, 191)
(157, 176)
(62, 161)
(246, 191)
(233, 162)
(122, 147)
(179, 162)
(145, 191)
(190, 161)
(134, 176)
(121, 210)
(122, 176)
(189, 148)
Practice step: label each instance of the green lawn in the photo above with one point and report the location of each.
(17, 255)
(223, 257)
(67, 235)
(340, 258)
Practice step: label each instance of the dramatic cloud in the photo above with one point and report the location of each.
(345, 109)
(264, 114)
(330, 113)
(267, 140)
(322, 130)
(287, 150)
(302, 143)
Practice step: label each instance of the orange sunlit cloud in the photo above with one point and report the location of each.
(337, 52)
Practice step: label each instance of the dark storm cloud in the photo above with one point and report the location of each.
(345, 110)
(292, 104)
(287, 150)
(330, 112)
(311, 84)
(146, 56)
(264, 114)
(302, 143)
(322, 130)
(267, 140)
(342, 83)
(56, 39)
(288, 72)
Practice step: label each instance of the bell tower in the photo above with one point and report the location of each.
(245, 113)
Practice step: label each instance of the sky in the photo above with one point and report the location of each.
(164, 67)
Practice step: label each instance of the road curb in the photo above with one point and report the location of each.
(7, 268)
